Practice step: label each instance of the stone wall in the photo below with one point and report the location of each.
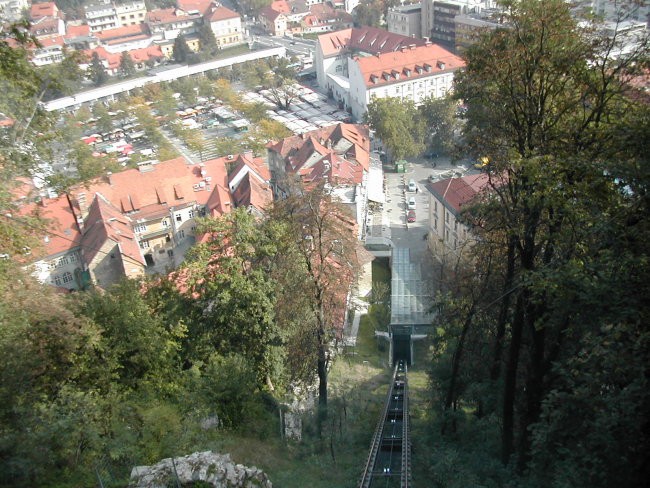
(210, 467)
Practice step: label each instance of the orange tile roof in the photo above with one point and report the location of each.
(52, 41)
(221, 13)
(73, 31)
(139, 192)
(105, 222)
(62, 232)
(333, 42)
(407, 63)
(168, 15)
(202, 6)
(122, 32)
(340, 152)
(281, 6)
(112, 59)
(46, 9)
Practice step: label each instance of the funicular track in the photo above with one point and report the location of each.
(389, 459)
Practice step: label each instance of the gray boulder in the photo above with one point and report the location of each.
(210, 467)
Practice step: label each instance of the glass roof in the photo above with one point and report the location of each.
(409, 298)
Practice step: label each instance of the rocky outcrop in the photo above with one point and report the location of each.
(217, 470)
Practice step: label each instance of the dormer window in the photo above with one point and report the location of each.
(374, 78)
(418, 69)
(395, 74)
(386, 76)
(441, 65)
(407, 72)
(427, 67)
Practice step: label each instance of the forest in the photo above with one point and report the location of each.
(538, 365)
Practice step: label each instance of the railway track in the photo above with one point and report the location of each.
(389, 460)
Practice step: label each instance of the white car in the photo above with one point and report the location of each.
(412, 186)
(411, 203)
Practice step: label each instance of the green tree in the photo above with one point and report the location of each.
(181, 51)
(96, 71)
(127, 66)
(398, 124)
(439, 115)
(548, 117)
(322, 233)
(207, 40)
(139, 349)
(104, 120)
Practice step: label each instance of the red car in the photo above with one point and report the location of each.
(410, 216)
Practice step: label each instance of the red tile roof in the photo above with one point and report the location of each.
(221, 13)
(407, 63)
(45, 9)
(73, 31)
(168, 15)
(269, 13)
(180, 183)
(340, 152)
(105, 222)
(281, 6)
(202, 6)
(124, 33)
(62, 232)
(367, 39)
(458, 192)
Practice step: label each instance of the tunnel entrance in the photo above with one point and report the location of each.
(402, 346)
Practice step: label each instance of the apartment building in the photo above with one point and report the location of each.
(131, 13)
(101, 16)
(405, 20)
(226, 26)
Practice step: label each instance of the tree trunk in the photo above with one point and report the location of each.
(509, 389)
(495, 371)
(458, 354)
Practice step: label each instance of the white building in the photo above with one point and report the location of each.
(447, 198)
(101, 16)
(131, 13)
(355, 65)
(226, 26)
(12, 10)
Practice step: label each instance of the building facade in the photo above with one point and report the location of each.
(226, 25)
(405, 20)
(131, 13)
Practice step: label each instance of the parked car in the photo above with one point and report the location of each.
(411, 203)
(412, 186)
(410, 216)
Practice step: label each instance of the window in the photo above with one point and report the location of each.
(63, 261)
(179, 218)
(165, 224)
(141, 228)
(57, 280)
(144, 244)
(73, 257)
(181, 234)
(447, 217)
(191, 214)
(67, 277)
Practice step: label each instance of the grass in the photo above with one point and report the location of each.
(358, 383)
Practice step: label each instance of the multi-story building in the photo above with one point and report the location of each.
(470, 26)
(12, 10)
(140, 220)
(438, 18)
(447, 198)
(125, 38)
(131, 13)
(273, 21)
(356, 65)
(621, 10)
(405, 20)
(338, 155)
(226, 26)
(166, 24)
(101, 16)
